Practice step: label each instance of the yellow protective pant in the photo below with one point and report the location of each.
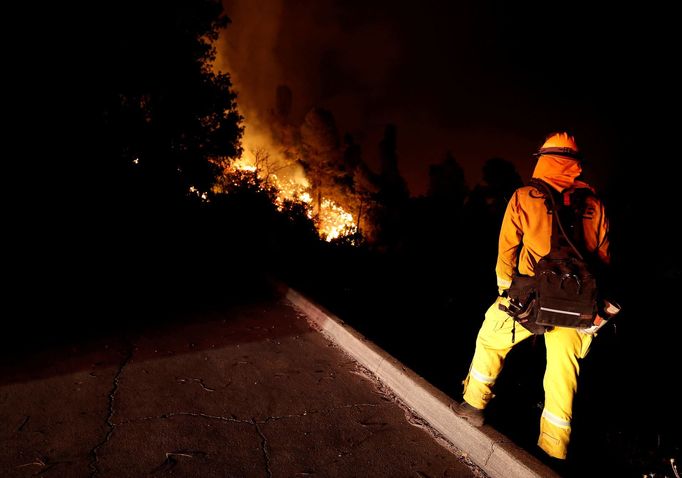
(564, 347)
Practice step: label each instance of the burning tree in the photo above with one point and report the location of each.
(360, 185)
(342, 186)
(306, 164)
(321, 156)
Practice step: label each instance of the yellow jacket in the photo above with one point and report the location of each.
(526, 231)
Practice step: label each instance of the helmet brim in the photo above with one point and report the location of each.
(559, 151)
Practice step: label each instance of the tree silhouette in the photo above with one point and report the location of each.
(142, 124)
(285, 133)
(435, 228)
(485, 208)
(489, 198)
(393, 187)
(169, 120)
(393, 194)
(361, 186)
(446, 181)
(321, 156)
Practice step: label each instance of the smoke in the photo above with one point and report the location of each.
(439, 71)
(245, 51)
(324, 50)
(336, 55)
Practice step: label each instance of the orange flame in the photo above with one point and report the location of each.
(262, 154)
(291, 184)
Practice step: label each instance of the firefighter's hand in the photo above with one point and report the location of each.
(609, 310)
(599, 322)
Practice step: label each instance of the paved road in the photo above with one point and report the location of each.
(250, 391)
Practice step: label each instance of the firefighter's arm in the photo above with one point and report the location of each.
(510, 238)
(596, 227)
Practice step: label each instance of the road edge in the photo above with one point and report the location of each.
(494, 453)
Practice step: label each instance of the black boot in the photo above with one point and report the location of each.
(471, 414)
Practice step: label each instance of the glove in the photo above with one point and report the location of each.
(609, 310)
(599, 322)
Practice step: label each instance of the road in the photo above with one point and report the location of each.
(241, 391)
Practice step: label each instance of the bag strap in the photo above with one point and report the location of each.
(540, 184)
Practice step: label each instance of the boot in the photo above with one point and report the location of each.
(471, 414)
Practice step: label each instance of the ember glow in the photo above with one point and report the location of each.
(289, 181)
(334, 221)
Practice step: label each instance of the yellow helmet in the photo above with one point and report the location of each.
(560, 144)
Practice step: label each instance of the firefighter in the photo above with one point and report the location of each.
(525, 237)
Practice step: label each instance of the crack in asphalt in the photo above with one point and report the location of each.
(492, 450)
(94, 459)
(264, 448)
(237, 420)
(23, 424)
(185, 414)
(325, 410)
(255, 423)
(200, 381)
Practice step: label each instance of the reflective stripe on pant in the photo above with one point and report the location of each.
(564, 348)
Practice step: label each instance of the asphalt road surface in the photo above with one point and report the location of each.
(241, 391)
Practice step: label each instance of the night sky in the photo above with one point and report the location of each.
(479, 79)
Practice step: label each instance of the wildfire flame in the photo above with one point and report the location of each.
(263, 154)
(335, 221)
(332, 222)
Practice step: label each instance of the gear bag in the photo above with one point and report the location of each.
(563, 291)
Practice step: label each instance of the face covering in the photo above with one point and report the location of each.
(558, 171)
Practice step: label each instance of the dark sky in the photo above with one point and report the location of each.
(477, 78)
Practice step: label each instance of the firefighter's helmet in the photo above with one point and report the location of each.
(560, 144)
